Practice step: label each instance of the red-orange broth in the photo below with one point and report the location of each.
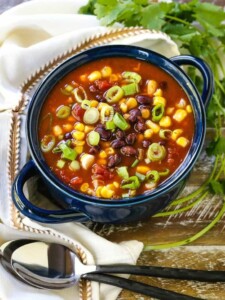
(122, 151)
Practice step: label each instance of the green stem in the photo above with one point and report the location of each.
(192, 238)
(180, 210)
(200, 189)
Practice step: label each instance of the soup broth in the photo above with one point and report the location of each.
(116, 128)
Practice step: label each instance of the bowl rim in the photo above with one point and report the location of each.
(100, 52)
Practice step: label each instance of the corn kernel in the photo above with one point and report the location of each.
(116, 184)
(123, 100)
(84, 187)
(79, 126)
(170, 110)
(67, 127)
(131, 103)
(57, 130)
(94, 76)
(101, 105)
(94, 103)
(189, 109)
(123, 107)
(106, 71)
(159, 100)
(102, 161)
(106, 193)
(180, 115)
(151, 87)
(165, 121)
(110, 186)
(98, 191)
(78, 135)
(78, 143)
(79, 149)
(102, 154)
(69, 100)
(176, 133)
(88, 128)
(145, 113)
(113, 78)
(109, 151)
(83, 77)
(158, 92)
(182, 141)
(142, 169)
(155, 127)
(140, 137)
(148, 133)
(181, 104)
(126, 116)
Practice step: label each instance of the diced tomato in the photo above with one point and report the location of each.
(78, 112)
(76, 181)
(102, 85)
(101, 172)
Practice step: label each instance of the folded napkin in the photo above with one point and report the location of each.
(34, 37)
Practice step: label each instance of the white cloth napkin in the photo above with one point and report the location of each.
(33, 34)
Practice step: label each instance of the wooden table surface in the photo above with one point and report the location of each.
(207, 252)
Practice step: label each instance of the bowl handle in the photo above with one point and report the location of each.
(34, 212)
(206, 72)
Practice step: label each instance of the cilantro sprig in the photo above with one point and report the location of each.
(198, 29)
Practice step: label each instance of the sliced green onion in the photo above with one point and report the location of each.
(67, 152)
(91, 116)
(67, 90)
(165, 133)
(165, 172)
(60, 163)
(125, 195)
(110, 125)
(80, 94)
(130, 89)
(120, 122)
(47, 143)
(122, 172)
(74, 165)
(93, 138)
(157, 112)
(132, 76)
(156, 152)
(152, 176)
(63, 111)
(85, 104)
(140, 176)
(114, 94)
(107, 113)
(134, 164)
(132, 183)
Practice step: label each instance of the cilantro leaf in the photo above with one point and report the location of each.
(216, 147)
(210, 17)
(153, 15)
(217, 187)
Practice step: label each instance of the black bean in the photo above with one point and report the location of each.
(94, 149)
(146, 144)
(120, 134)
(114, 160)
(134, 114)
(105, 135)
(143, 99)
(68, 136)
(140, 126)
(93, 88)
(128, 151)
(116, 144)
(163, 85)
(131, 138)
(116, 108)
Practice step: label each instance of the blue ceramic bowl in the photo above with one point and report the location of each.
(80, 207)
